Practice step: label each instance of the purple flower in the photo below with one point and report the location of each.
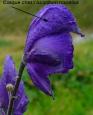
(9, 78)
(49, 47)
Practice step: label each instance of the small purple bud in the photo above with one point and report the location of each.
(7, 83)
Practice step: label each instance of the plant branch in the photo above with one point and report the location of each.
(21, 69)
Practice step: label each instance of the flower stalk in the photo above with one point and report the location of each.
(21, 69)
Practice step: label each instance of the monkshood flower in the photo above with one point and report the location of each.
(49, 47)
(7, 82)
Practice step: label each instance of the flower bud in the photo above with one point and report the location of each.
(16, 77)
(9, 87)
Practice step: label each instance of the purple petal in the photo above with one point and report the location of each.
(9, 73)
(18, 113)
(39, 78)
(60, 20)
(4, 100)
(22, 105)
(9, 76)
(21, 102)
(44, 58)
(59, 47)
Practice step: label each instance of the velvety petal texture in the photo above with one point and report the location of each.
(60, 49)
(9, 77)
(59, 18)
(54, 50)
(49, 47)
(21, 102)
(4, 100)
(39, 78)
(9, 71)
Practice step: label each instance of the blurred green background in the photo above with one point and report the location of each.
(74, 90)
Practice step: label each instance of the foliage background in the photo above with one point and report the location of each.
(74, 90)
